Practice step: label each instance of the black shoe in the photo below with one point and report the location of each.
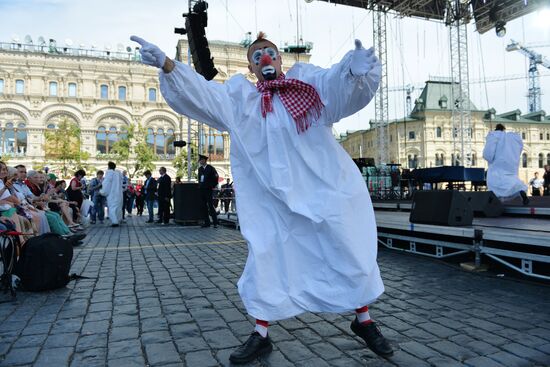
(158, 222)
(524, 198)
(371, 334)
(205, 226)
(255, 346)
(149, 221)
(216, 225)
(114, 225)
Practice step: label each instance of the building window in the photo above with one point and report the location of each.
(413, 161)
(51, 126)
(474, 160)
(152, 95)
(101, 140)
(21, 139)
(411, 135)
(159, 142)
(438, 132)
(121, 93)
(541, 160)
(104, 91)
(53, 89)
(548, 159)
(455, 132)
(524, 160)
(170, 137)
(19, 86)
(391, 138)
(547, 136)
(112, 137)
(541, 135)
(9, 139)
(1, 86)
(151, 139)
(72, 89)
(523, 135)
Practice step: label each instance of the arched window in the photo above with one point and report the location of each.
(170, 137)
(21, 139)
(436, 159)
(51, 126)
(442, 159)
(457, 161)
(541, 160)
(524, 160)
(159, 139)
(9, 139)
(104, 91)
(19, 86)
(101, 140)
(152, 95)
(219, 145)
(53, 89)
(410, 161)
(123, 133)
(72, 89)
(1, 86)
(151, 139)
(474, 160)
(438, 132)
(121, 93)
(111, 138)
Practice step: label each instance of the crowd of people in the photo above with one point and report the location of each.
(35, 202)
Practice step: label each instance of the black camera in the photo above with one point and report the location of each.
(179, 143)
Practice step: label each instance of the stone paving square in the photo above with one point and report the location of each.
(166, 296)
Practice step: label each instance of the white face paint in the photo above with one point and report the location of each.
(264, 58)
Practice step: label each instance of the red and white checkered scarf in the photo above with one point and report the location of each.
(300, 99)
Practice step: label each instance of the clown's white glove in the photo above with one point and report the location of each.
(150, 54)
(362, 61)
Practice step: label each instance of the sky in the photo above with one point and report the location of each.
(417, 49)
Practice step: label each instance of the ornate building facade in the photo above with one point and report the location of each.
(426, 137)
(103, 92)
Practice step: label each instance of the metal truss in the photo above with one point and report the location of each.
(461, 116)
(381, 98)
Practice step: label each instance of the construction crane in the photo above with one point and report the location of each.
(533, 95)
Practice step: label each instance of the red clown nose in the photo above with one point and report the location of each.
(265, 60)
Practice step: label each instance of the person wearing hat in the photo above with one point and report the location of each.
(208, 180)
(304, 209)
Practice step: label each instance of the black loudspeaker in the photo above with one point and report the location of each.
(484, 203)
(187, 203)
(196, 36)
(444, 208)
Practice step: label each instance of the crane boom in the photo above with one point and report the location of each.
(535, 59)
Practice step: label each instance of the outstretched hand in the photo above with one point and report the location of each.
(362, 60)
(150, 53)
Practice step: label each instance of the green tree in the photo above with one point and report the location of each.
(63, 146)
(180, 162)
(133, 152)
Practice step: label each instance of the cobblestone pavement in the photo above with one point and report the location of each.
(166, 296)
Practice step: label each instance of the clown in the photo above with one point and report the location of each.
(303, 206)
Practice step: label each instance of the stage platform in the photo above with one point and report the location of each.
(520, 243)
(538, 206)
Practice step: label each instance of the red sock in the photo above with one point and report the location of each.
(363, 316)
(261, 327)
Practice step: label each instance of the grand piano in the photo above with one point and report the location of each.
(449, 174)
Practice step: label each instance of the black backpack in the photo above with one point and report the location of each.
(45, 262)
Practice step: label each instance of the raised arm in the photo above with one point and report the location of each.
(186, 91)
(347, 86)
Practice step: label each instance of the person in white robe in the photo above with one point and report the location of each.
(112, 190)
(502, 152)
(304, 209)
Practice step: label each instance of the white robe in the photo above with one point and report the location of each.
(112, 189)
(303, 207)
(502, 151)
